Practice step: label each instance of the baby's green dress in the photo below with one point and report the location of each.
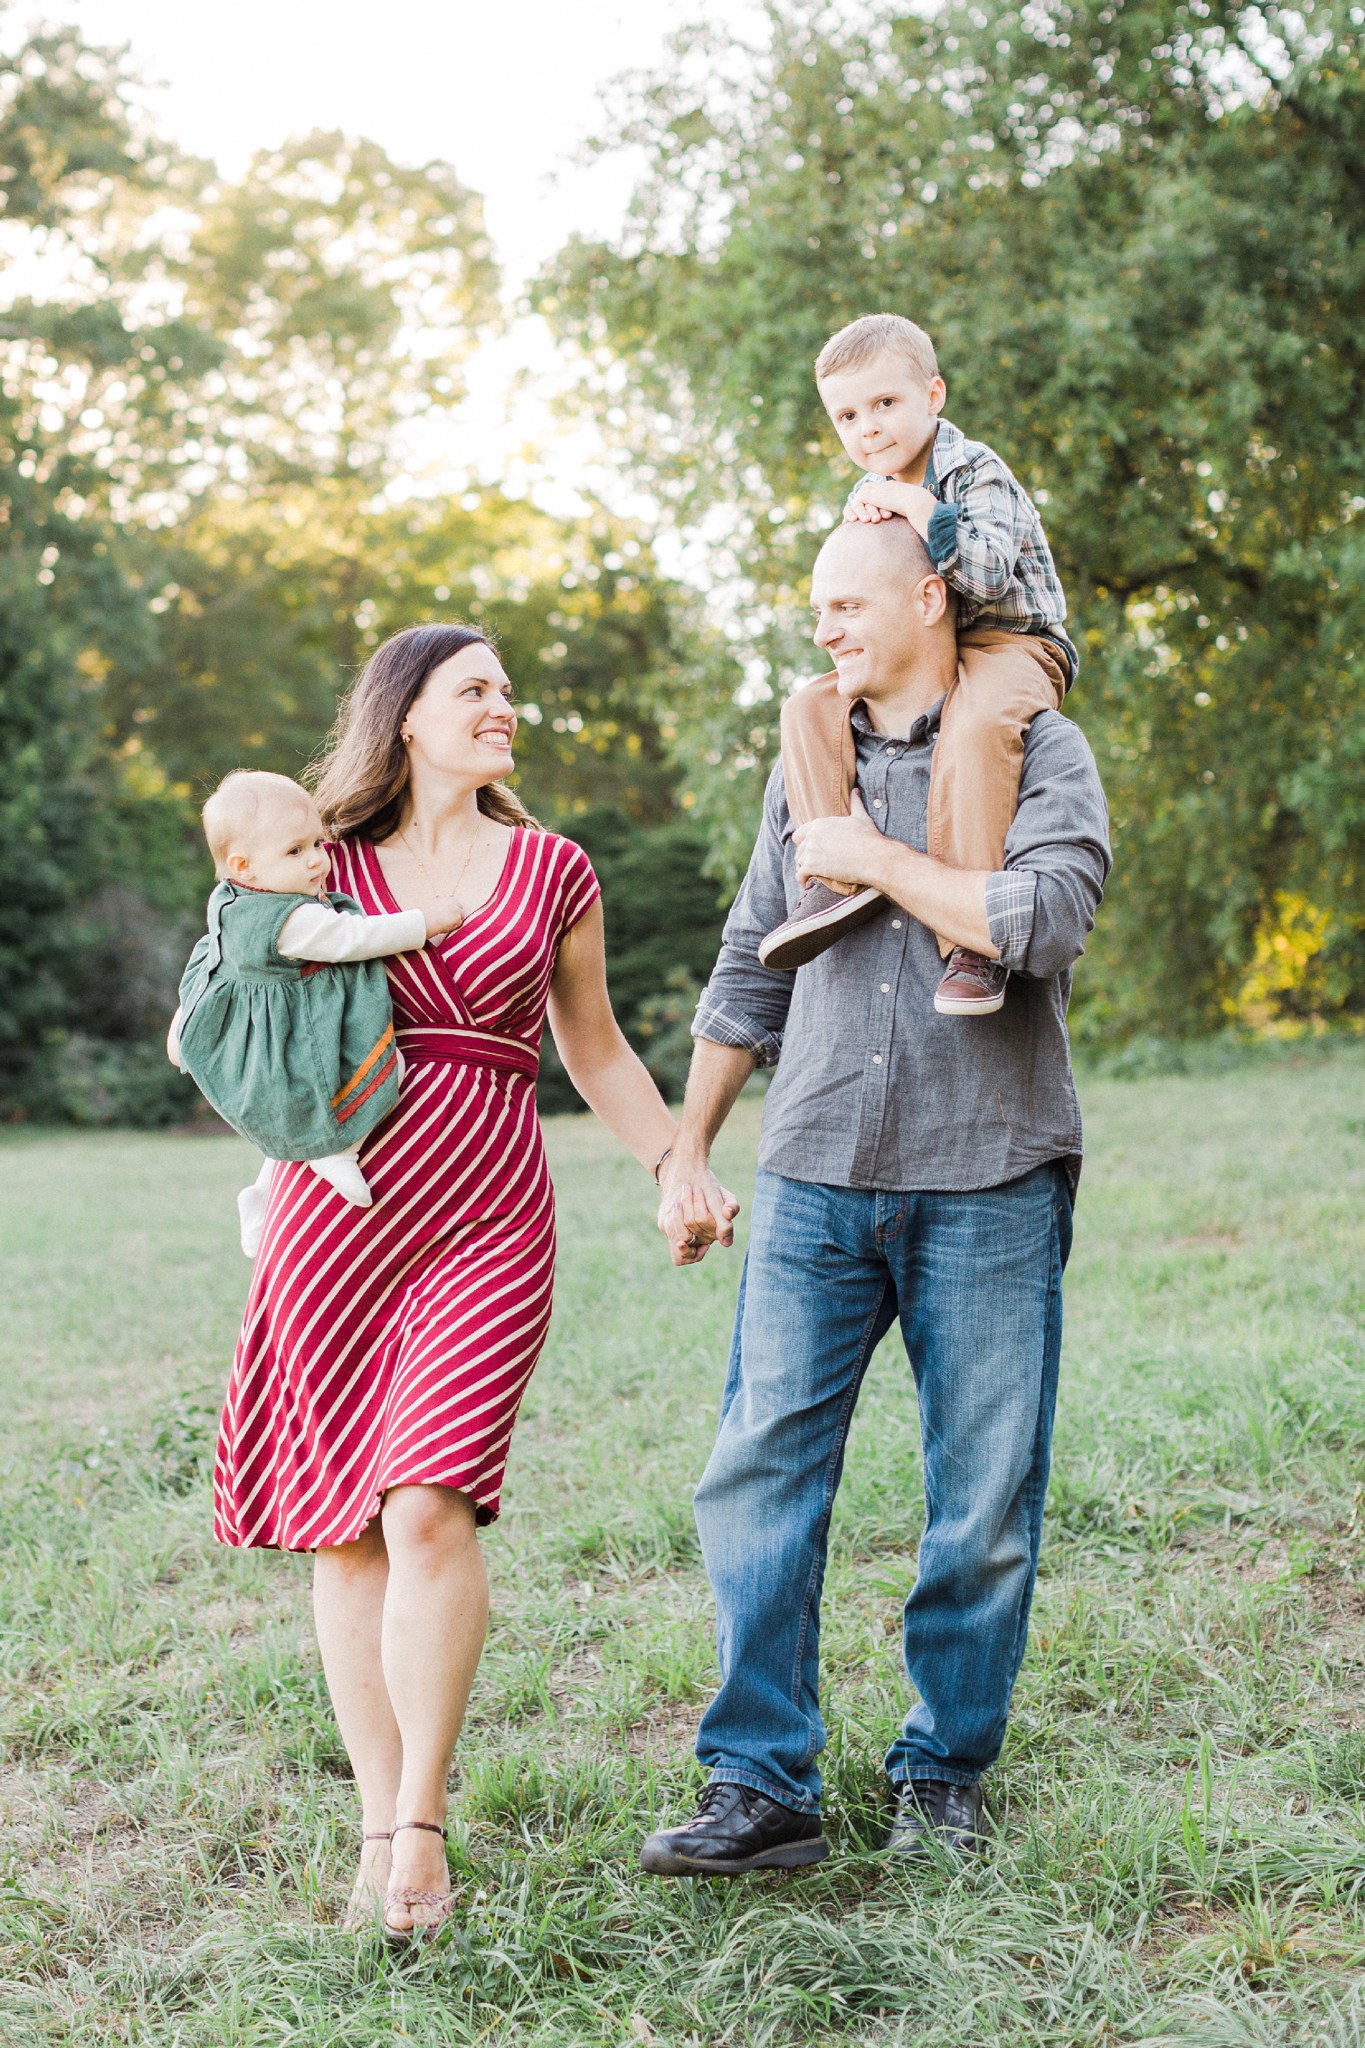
(299, 1056)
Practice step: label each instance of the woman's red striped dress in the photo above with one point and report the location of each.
(391, 1346)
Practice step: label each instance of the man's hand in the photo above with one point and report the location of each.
(885, 498)
(847, 849)
(696, 1211)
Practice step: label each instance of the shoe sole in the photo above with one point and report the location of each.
(969, 1006)
(815, 935)
(786, 1856)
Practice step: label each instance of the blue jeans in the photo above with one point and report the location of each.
(976, 1280)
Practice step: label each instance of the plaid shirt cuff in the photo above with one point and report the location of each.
(942, 535)
(722, 1026)
(1010, 899)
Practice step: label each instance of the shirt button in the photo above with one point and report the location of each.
(876, 803)
(895, 924)
(886, 988)
(876, 1059)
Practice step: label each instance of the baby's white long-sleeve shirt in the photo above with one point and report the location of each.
(317, 932)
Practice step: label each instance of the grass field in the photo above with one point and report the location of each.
(1181, 1856)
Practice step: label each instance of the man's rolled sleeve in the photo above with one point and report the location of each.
(1041, 907)
(721, 1025)
(745, 1004)
(1010, 900)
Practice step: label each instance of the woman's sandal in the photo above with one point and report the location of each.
(360, 1915)
(407, 1900)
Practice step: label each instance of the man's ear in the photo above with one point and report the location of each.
(932, 599)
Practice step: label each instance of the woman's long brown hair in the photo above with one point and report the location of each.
(361, 777)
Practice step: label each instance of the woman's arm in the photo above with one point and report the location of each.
(612, 1080)
(607, 1074)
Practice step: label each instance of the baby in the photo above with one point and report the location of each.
(284, 1019)
(880, 384)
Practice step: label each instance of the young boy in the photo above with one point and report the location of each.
(881, 387)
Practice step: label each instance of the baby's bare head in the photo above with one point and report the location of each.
(263, 830)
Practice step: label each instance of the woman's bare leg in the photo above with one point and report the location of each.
(435, 1620)
(350, 1582)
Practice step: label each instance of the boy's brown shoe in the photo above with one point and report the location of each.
(821, 917)
(972, 986)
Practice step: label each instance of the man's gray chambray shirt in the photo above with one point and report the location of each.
(873, 1088)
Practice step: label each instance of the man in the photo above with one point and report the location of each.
(910, 1165)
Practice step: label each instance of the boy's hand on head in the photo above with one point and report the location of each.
(861, 512)
(893, 499)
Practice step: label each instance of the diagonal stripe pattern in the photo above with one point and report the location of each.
(391, 1346)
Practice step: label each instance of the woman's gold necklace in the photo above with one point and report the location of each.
(464, 869)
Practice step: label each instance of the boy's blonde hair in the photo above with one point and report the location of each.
(232, 814)
(877, 334)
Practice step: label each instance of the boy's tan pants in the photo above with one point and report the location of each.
(1003, 681)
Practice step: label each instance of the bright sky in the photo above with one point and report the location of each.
(505, 90)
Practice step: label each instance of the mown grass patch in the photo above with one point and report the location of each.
(1181, 1856)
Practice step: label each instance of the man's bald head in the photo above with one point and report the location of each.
(893, 542)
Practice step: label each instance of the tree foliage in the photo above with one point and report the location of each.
(68, 598)
(208, 392)
(1136, 233)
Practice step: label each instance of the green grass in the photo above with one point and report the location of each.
(1182, 1846)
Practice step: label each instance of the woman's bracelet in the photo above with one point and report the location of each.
(659, 1162)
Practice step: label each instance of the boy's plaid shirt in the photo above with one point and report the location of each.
(988, 544)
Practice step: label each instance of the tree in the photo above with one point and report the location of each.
(351, 289)
(266, 610)
(208, 391)
(169, 343)
(1136, 235)
(69, 599)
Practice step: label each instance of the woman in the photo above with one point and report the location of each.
(384, 1351)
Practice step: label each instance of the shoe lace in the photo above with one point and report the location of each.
(713, 1797)
(927, 1796)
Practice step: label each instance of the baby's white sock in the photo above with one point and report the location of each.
(341, 1170)
(252, 1204)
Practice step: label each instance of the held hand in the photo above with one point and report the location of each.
(445, 915)
(847, 849)
(694, 1214)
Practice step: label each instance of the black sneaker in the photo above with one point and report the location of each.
(932, 1813)
(821, 917)
(735, 1829)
